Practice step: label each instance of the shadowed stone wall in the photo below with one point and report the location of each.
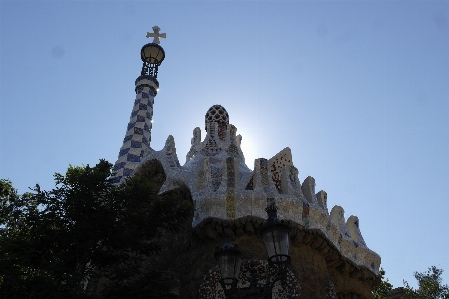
(315, 261)
(187, 257)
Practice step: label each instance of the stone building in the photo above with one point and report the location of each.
(397, 293)
(329, 257)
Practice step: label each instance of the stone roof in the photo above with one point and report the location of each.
(223, 187)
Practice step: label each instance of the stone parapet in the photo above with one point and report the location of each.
(223, 187)
(318, 266)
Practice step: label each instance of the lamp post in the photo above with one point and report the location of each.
(275, 234)
(275, 237)
(229, 258)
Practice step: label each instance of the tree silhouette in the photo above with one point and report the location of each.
(53, 242)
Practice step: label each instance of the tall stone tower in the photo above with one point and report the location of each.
(138, 133)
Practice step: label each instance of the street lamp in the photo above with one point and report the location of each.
(276, 240)
(275, 237)
(229, 258)
(152, 56)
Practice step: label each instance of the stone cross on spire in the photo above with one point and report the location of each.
(156, 35)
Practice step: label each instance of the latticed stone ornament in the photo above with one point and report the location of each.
(217, 113)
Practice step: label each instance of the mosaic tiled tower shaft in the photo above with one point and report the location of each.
(138, 133)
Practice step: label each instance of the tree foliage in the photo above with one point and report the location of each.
(429, 285)
(53, 242)
(381, 291)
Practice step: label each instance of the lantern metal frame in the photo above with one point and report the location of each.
(272, 224)
(227, 249)
(151, 62)
(278, 261)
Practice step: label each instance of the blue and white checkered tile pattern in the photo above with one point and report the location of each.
(138, 135)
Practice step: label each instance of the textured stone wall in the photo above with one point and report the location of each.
(223, 187)
(315, 261)
(187, 257)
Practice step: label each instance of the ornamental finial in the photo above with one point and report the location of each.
(156, 35)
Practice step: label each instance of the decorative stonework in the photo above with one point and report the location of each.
(195, 144)
(234, 148)
(264, 172)
(308, 189)
(338, 217)
(330, 290)
(230, 190)
(250, 185)
(280, 161)
(330, 257)
(217, 114)
(211, 148)
(322, 200)
(223, 187)
(216, 174)
(156, 35)
(138, 136)
(353, 228)
(315, 259)
(211, 288)
(305, 214)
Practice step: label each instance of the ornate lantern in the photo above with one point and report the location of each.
(276, 240)
(275, 237)
(152, 54)
(229, 258)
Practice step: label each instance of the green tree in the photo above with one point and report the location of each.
(429, 285)
(53, 242)
(381, 291)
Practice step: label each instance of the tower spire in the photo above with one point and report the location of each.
(136, 143)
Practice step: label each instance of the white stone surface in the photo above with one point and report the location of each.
(222, 186)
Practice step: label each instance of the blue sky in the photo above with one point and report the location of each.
(359, 90)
